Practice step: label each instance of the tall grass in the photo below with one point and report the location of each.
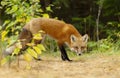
(104, 45)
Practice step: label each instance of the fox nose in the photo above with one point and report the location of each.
(80, 54)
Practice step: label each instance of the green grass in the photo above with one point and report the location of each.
(85, 56)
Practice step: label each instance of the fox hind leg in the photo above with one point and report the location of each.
(24, 37)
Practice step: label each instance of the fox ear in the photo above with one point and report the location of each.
(72, 38)
(85, 38)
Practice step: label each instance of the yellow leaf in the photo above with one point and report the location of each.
(41, 47)
(0, 27)
(27, 57)
(32, 52)
(19, 44)
(9, 42)
(37, 49)
(46, 15)
(37, 36)
(4, 33)
(13, 29)
(49, 9)
(16, 33)
(28, 19)
(40, 10)
(41, 31)
(30, 44)
(16, 51)
(5, 60)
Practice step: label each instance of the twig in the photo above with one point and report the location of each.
(98, 17)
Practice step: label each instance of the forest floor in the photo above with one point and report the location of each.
(96, 65)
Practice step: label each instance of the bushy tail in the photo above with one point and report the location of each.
(24, 37)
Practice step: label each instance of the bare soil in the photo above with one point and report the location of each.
(89, 66)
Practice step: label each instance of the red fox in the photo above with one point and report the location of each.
(62, 32)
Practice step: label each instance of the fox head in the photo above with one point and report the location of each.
(78, 45)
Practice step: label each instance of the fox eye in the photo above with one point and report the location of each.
(76, 47)
(82, 47)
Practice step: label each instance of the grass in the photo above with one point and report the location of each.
(89, 65)
(85, 56)
(94, 64)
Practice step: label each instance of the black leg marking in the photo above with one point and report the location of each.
(64, 54)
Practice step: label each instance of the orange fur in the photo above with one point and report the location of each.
(59, 30)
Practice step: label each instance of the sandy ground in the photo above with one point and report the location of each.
(94, 66)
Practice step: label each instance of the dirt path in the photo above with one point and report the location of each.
(90, 67)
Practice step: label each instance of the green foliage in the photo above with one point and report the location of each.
(117, 45)
(3, 35)
(61, 3)
(5, 60)
(111, 11)
(19, 12)
(112, 7)
(20, 8)
(33, 50)
(17, 49)
(84, 24)
(15, 14)
(104, 45)
(50, 44)
(82, 14)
